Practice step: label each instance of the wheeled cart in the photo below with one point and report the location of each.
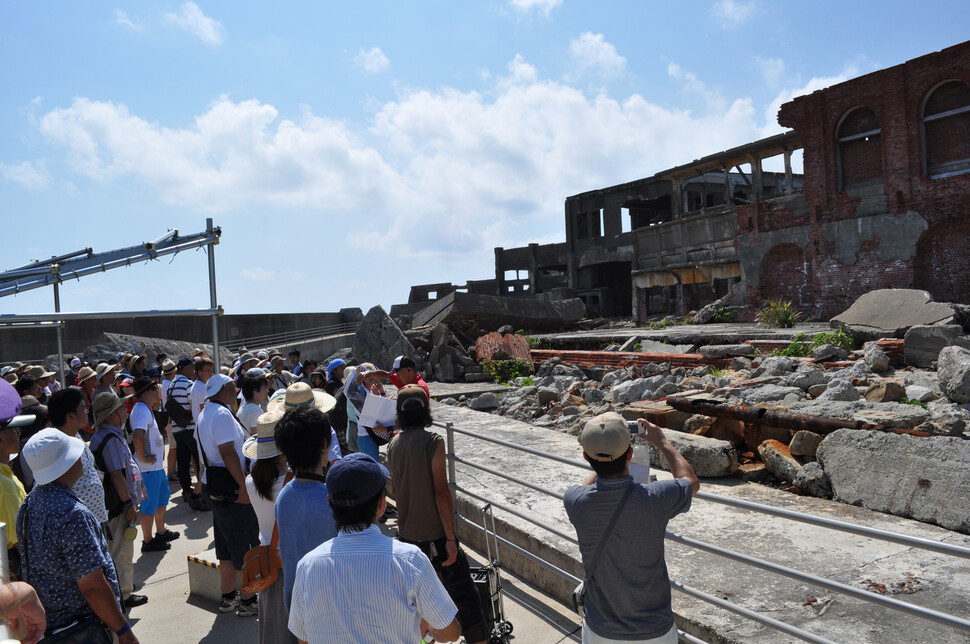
(488, 581)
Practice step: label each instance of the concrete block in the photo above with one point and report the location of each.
(927, 479)
(923, 343)
(491, 312)
(889, 313)
(380, 340)
(885, 391)
(726, 350)
(709, 457)
(204, 580)
(841, 390)
(876, 357)
(954, 374)
(779, 461)
(805, 443)
(657, 412)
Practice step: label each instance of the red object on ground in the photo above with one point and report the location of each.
(506, 347)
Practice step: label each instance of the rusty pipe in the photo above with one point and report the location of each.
(776, 418)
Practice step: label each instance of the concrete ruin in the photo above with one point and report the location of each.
(882, 203)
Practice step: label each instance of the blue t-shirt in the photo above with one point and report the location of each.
(305, 521)
(628, 596)
(63, 543)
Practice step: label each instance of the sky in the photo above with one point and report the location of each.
(351, 149)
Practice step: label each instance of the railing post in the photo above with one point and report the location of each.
(450, 434)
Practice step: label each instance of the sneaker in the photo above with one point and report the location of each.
(248, 609)
(168, 535)
(197, 504)
(155, 545)
(135, 600)
(229, 605)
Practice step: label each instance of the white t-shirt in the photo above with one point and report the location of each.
(197, 400)
(217, 426)
(265, 510)
(143, 418)
(248, 414)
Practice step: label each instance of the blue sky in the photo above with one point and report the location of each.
(349, 150)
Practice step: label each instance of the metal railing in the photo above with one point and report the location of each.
(958, 623)
(291, 337)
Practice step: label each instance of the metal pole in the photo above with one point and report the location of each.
(60, 336)
(213, 300)
(450, 433)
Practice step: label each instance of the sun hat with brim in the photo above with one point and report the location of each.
(263, 444)
(355, 479)
(28, 401)
(85, 373)
(605, 437)
(17, 366)
(103, 369)
(246, 357)
(105, 404)
(168, 367)
(301, 395)
(5, 370)
(10, 407)
(215, 384)
(50, 453)
(143, 385)
(39, 372)
(275, 360)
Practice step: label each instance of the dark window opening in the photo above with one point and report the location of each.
(860, 148)
(946, 130)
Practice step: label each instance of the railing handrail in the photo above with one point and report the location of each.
(286, 337)
(886, 602)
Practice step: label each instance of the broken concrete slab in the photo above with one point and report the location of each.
(779, 461)
(491, 312)
(829, 353)
(923, 343)
(885, 391)
(876, 357)
(657, 412)
(726, 350)
(805, 443)
(379, 340)
(709, 457)
(840, 390)
(954, 374)
(927, 479)
(653, 346)
(889, 313)
(813, 479)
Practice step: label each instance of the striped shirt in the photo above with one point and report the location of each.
(365, 587)
(179, 391)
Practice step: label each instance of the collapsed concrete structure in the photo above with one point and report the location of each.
(883, 202)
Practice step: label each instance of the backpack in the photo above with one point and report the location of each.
(112, 502)
(181, 416)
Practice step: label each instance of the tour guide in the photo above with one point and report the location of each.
(627, 591)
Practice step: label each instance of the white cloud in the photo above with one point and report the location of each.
(474, 169)
(591, 53)
(33, 176)
(771, 112)
(693, 86)
(772, 69)
(257, 275)
(732, 13)
(372, 61)
(192, 20)
(123, 19)
(544, 7)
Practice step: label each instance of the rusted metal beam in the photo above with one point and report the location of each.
(776, 418)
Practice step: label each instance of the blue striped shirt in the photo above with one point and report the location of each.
(365, 587)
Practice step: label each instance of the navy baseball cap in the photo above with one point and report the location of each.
(356, 478)
(183, 362)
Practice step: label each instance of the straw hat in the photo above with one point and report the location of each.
(168, 367)
(39, 372)
(301, 395)
(105, 404)
(85, 373)
(263, 444)
(104, 368)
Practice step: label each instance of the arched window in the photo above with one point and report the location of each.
(860, 148)
(946, 129)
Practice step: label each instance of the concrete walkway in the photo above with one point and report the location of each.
(917, 577)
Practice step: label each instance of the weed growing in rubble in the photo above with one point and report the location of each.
(507, 370)
(839, 338)
(718, 373)
(534, 343)
(638, 347)
(797, 349)
(722, 315)
(780, 314)
(913, 401)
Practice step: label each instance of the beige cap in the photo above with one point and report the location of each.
(605, 437)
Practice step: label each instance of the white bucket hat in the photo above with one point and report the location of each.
(50, 453)
(263, 444)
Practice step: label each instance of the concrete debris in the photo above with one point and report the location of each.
(491, 312)
(840, 389)
(890, 313)
(709, 457)
(484, 402)
(805, 443)
(805, 377)
(829, 353)
(813, 480)
(921, 394)
(779, 461)
(923, 343)
(112, 343)
(954, 374)
(920, 478)
(379, 340)
(652, 346)
(726, 350)
(876, 357)
(885, 391)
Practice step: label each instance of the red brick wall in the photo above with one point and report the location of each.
(895, 98)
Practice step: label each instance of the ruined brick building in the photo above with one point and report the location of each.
(884, 201)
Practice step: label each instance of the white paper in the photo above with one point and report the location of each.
(378, 409)
(640, 465)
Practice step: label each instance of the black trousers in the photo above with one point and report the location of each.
(186, 451)
(457, 580)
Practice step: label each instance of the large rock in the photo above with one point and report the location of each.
(806, 376)
(885, 391)
(927, 479)
(923, 343)
(485, 402)
(380, 340)
(805, 443)
(889, 313)
(490, 312)
(112, 343)
(779, 461)
(709, 457)
(813, 479)
(632, 390)
(776, 366)
(954, 374)
(726, 350)
(829, 352)
(841, 390)
(766, 393)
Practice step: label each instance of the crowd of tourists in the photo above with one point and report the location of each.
(274, 448)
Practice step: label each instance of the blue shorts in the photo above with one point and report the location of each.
(156, 485)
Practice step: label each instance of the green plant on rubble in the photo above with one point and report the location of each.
(839, 338)
(797, 349)
(780, 314)
(721, 314)
(913, 401)
(506, 370)
(638, 347)
(528, 381)
(718, 373)
(534, 343)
